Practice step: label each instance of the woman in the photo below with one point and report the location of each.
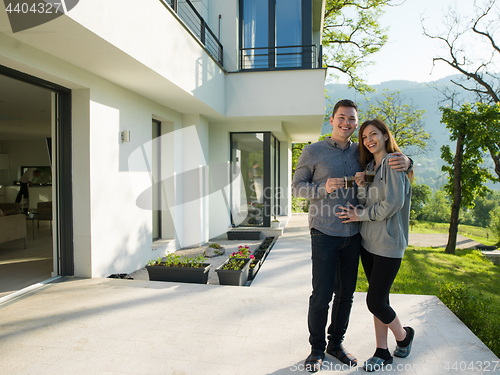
(384, 231)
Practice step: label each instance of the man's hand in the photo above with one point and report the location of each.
(333, 184)
(399, 162)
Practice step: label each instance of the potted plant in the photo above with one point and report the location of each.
(275, 223)
(234, 271)
(263, 250)
(177, 268)
(243, 253)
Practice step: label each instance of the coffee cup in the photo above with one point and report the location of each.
(369, 176)
(349, 182)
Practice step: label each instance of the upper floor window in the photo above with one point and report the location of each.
(276, 34)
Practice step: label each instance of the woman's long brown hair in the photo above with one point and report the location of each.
(391, 146)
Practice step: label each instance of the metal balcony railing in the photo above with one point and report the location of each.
(285, 57)
(195, 22)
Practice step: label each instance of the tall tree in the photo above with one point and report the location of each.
(472, 48)
(404, 120)
(351, 34)
(466, 175)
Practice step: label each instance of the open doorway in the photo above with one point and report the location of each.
(34, 120)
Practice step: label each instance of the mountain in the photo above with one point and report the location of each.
(422, 96)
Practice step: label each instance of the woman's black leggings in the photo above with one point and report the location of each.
(380, 272)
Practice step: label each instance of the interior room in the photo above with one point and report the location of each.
(26, 230)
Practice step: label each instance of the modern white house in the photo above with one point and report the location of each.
(165, 122)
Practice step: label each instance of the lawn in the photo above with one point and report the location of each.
(479, 234)
(425, 270)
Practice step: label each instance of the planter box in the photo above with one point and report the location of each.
(253, 271)
(233, 277)
(268, 249)
(243, 235)
(197, 275)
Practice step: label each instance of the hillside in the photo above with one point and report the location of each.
(420, 96)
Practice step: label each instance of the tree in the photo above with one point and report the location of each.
(484, 208)
(437, 210)
(466, 175)
(296, 152)
(420, 196)
(404, 121)
(351, 34)
(479, 70)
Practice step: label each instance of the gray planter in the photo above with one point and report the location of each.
(197, 275)
(253, 271)
(243, 235)
(233, 277)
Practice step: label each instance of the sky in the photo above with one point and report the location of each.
(408, 53)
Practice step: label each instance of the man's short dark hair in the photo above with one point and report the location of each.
(344, 103)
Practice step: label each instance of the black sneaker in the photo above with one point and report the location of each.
(314, 360)
(342, 355)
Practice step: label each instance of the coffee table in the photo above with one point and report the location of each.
(32, 217)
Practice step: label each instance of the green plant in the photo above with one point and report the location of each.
(242, 253)
(154, 262)
(300, 204)
(474, 312)
(215, 246)
(234, 264)
(173, 260)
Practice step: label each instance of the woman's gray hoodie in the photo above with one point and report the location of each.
(385, 219)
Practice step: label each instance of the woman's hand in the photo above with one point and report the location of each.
(349, 214)
(359, 178)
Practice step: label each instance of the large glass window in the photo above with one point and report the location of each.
(275, 34)
(247, 156)
(256, 155)
(288, 33)
(255, 33)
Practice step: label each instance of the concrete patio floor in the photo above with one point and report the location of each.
(118, 326)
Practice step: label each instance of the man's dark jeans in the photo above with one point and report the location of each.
(334, 269)
(23, 192)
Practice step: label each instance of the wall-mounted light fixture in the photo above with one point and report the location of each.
(126, 136)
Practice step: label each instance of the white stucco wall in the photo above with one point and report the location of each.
(229, 29)
(149, 33)
(276, 93)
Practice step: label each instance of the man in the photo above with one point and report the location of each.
(25, 181)
(319, 176)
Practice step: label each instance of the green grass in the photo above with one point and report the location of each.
(481, 235)
(425, 270)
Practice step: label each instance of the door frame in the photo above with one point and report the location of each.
(62, 144)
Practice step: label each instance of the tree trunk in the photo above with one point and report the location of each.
(495, 156)
(457, 196)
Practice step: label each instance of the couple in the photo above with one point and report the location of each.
(337, 239)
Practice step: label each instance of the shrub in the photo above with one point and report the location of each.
(300, 204)
(174, 260)
(474, 312)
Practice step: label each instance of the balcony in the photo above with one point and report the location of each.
(285, 57)
(195, 22)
